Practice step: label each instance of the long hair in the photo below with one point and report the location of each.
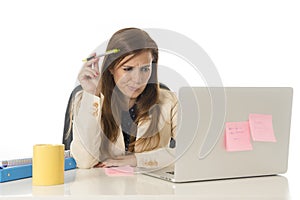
(130, 41)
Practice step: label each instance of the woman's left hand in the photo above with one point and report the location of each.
(120, 161)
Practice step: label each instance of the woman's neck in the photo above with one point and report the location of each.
(131, 102)
(127, 102)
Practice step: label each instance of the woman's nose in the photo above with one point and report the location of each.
(137, 76)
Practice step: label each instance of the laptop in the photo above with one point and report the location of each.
(202, 151)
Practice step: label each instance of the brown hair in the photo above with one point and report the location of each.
(130, 41)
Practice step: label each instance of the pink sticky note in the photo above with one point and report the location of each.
(237, 136)
(261, 127)
(119, 171)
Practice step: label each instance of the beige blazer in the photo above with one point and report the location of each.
(87, 136)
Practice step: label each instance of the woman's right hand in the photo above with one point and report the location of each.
(89, 76)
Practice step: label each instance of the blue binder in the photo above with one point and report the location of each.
(25, 171)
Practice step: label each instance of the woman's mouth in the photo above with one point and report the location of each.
(133, 89)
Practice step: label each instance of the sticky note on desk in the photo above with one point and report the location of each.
(261, 127)
(237, 136)
(119, 171)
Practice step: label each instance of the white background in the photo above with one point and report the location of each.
(252, 43)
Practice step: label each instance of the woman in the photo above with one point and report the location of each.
(122, 117)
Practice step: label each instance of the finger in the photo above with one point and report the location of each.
(96, 64)
(91, 56)
(111, 163)
(99, 165)
(84, 74)
(91, 70)
(90, 62)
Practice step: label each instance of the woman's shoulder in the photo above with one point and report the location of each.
(167, 96)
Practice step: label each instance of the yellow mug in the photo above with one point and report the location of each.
(48, 164)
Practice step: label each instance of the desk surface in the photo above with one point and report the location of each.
(95, 183)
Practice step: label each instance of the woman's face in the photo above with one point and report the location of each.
(132, 76)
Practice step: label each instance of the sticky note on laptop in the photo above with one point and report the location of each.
(237, 136)
(261, 127)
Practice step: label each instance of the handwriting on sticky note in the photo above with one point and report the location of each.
(237, 136)
(261, 127)
(119, 171)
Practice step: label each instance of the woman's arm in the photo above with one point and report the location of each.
(86, 130)
(164, 156)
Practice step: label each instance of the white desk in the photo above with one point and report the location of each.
(94, 183)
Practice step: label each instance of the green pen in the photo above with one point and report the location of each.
(103, 54)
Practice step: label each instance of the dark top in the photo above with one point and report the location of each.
(129, 128)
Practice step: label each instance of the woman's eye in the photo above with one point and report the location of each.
(127, 68)
(145, 69)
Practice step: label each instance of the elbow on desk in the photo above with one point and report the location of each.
(86, 164)
(83, 159)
